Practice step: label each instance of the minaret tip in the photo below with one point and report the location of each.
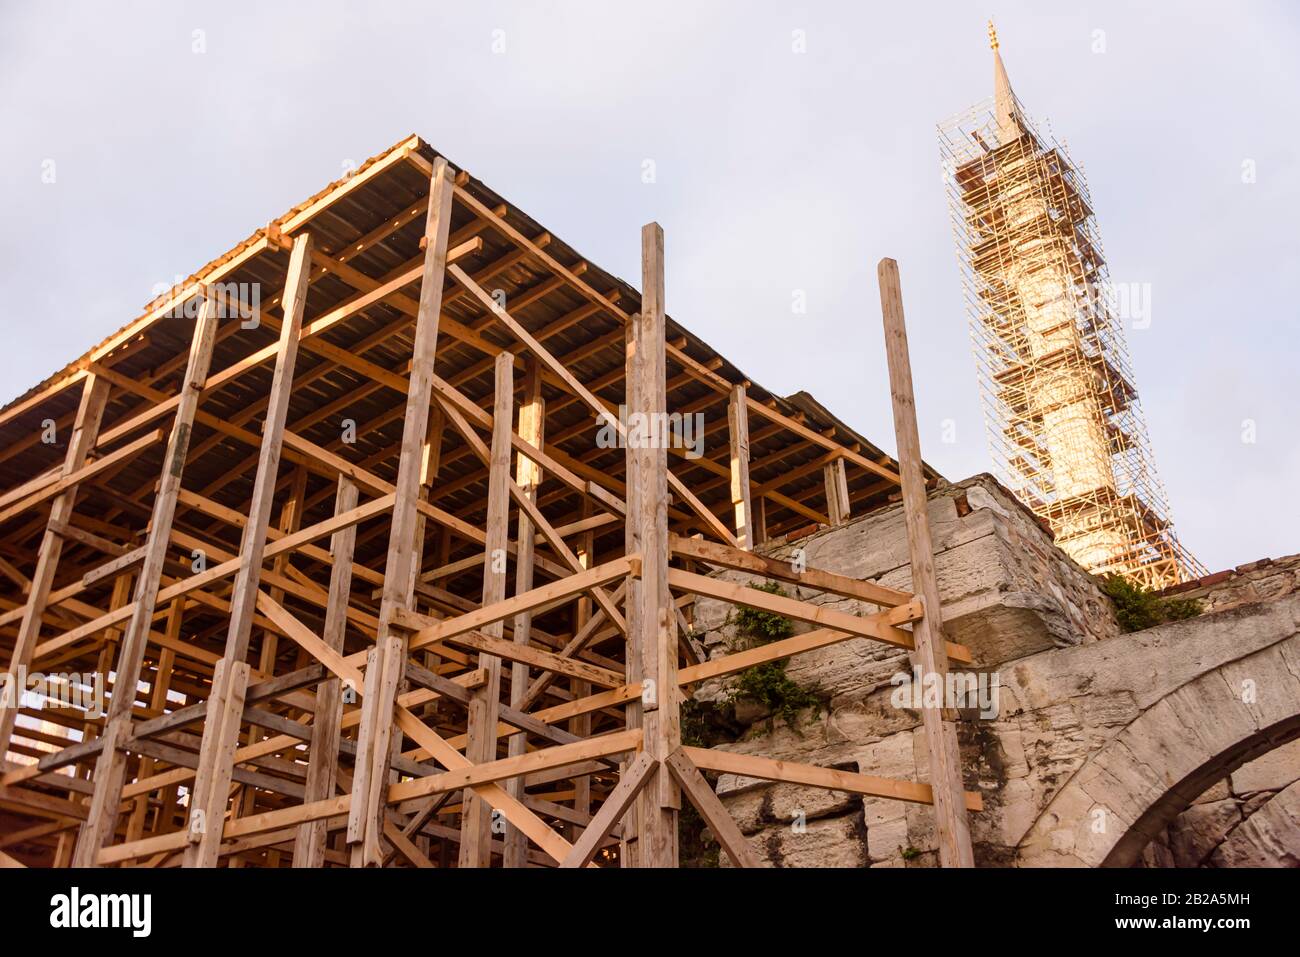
(993, 37)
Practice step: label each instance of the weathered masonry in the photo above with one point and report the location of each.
(332, 525)
(1174, 745)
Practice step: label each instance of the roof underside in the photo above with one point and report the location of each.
(376, 227)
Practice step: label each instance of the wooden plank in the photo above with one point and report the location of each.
(543, 596)
(837, 491)
(491, 772)
(877, 626)
(221, 729)
(725, 557)
(111, 765)
(953, 829)
(656, 621)
(776, 650)
(476, 819)
(366, 815)
(741, 500)
(322, 757)
(489, 644)
(715, 815)
(629, 786)
(912, 792)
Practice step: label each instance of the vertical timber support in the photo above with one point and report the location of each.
(528, 475)
(633, 711)
(837, 491)
(110, 767)
(656, 620)
(951, 824)
(741, 502)
(366, 814)
(481, 746)
(323, 754)
(85, 430)
(225, 707)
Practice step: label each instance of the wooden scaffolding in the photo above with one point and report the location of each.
(289, 523)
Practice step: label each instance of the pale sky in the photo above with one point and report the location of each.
(775, 170)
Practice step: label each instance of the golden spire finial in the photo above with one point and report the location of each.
(993, 37)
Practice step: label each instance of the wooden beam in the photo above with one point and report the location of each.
(876, 626)
(220, 732)
(630, 783)
(476, 819)
(491, 772)
(953, 830)
(724, 557)
(366, 815)
(837, 491)
(110, 768)
(741, 501)
(720, 822)
(656, 622)
(323, 755)
(749, 765)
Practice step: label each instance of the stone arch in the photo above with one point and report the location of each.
(1145, 776)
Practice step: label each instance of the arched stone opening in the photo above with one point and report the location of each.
(1177, 799)
(1165, 758)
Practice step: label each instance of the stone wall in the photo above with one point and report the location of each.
(1263, 580)
(1068, 684)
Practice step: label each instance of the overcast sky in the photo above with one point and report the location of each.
(775, 171)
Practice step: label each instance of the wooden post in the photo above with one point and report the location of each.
(633, 711)
(940, 731)
(738, 429)
(481, 746)
(580, 725)
(528, 475)
(656, 622)
(837, 491)
(322, 758)
(111, 765)
(157, 703)
(85, 430)
(290, 521)
(366, 815)
(225, 709)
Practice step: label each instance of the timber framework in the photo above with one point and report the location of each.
(331, 527)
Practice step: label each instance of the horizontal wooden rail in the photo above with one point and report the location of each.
(766, 769)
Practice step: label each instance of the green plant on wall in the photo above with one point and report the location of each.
(776, 691)
(763, 626)
(768, 684)
(1137, 607)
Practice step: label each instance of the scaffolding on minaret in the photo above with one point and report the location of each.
(1066, 430)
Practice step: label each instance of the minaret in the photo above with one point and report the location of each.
(1003, 99)
(1065, 426)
